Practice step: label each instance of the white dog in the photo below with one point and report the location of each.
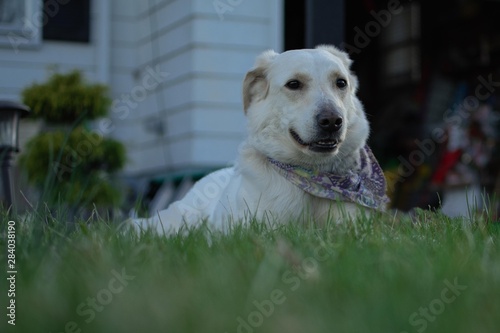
(305, 158)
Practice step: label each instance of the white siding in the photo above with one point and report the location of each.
(28, 65)
(194, 117)
(22, 68)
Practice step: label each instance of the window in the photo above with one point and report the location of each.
(11, 12)
(20, 23)
(67, 20)
(400, 42)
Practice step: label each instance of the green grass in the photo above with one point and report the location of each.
(376, 274)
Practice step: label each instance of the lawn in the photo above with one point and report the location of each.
(427, 273)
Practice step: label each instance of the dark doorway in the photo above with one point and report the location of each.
(295, 24)
(308, 23)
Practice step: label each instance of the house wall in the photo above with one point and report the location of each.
(22, 66)
(175, 70)
(194, 118)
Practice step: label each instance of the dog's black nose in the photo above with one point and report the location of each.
(329, 121)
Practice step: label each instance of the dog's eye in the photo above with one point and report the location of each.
(341, 83)
(293, 85)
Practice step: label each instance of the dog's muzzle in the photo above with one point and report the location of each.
(322, 145)
(328, 123)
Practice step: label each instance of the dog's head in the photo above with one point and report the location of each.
(302, 106)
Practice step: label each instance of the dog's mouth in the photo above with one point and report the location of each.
(325, 145)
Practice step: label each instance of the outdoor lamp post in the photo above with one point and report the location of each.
(10, 112)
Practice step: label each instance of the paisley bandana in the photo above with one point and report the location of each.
(364, 185)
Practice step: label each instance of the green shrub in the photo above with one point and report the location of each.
(65, 98)
(64, 161)
(79, 170)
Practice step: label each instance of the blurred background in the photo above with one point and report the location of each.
(429, 79)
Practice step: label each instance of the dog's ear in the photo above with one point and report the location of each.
(256, 85)
(344, 57)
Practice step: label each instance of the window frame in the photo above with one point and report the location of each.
(26, 32)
